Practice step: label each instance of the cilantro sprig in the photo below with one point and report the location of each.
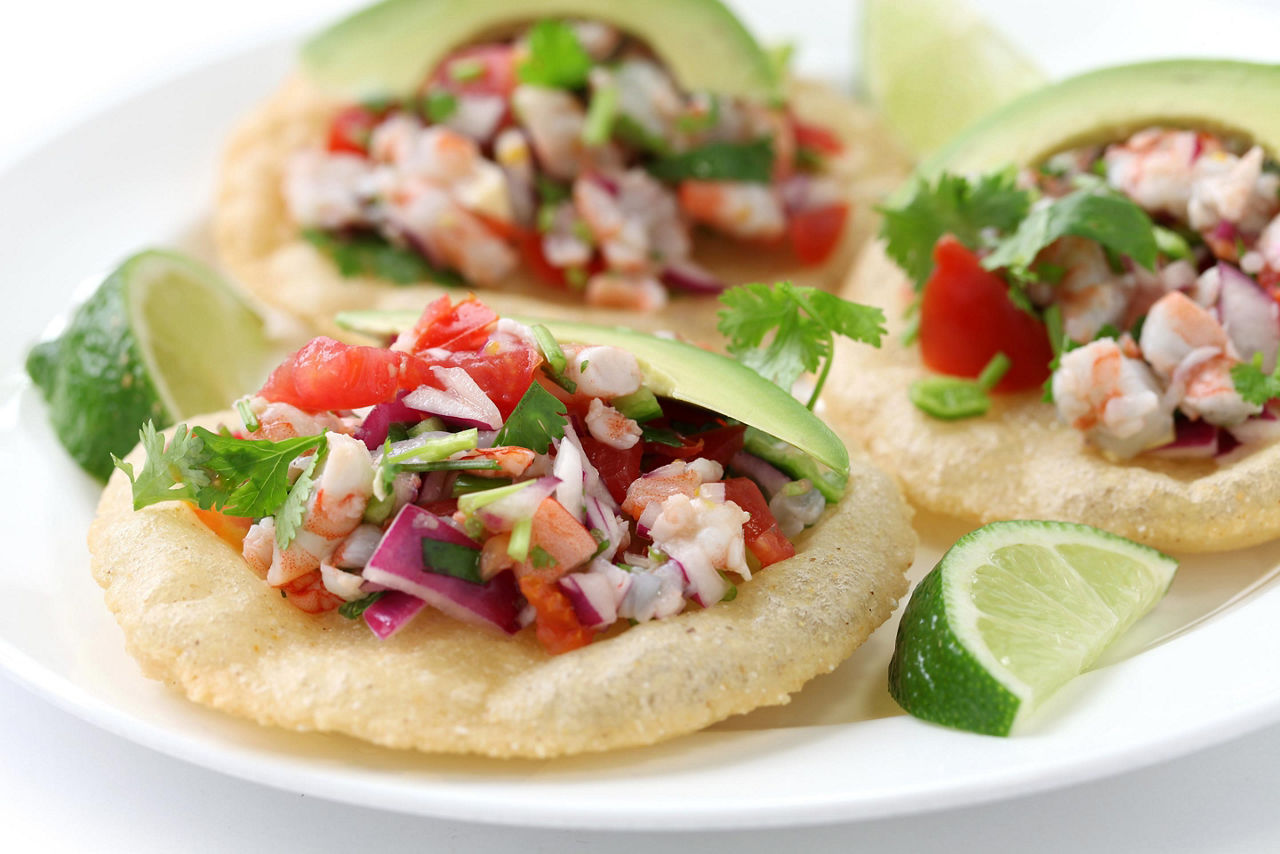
(1254, 384)
(800, 324)
(239, 477)
(718, 161)
(368, 254)
(556, 58)
(538, 418)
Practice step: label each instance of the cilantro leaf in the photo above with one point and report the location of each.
(556, 57)
(289, 516)
(718, 161)
(1105, 217)
(1253, 384)
(538, 418)
(355, 609)
(174, 473)
(803, 323)
(953, 205)
(369, 254)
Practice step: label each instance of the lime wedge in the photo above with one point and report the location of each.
(1012, 612)
(933, 67)
(162, 338)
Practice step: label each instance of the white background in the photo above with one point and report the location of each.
(66, 786)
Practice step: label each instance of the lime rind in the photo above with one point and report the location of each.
(1012, 612)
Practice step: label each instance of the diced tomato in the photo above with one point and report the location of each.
(228, 528)
(481, 70)
(465, 326)
(494, 557)
(722, 443)
(505, 376)
(350, 130)
(557, 625)
(815, 233)
(327, 374)
(529, 244)
(966, 318)
(816, 137)
(764, 538)
(560, 535)
(617, 468)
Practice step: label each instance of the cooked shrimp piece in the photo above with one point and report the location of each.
(636, 292)
(1154, 168)
(739, 209)
(259, 545)
(308, 593)
(512, 460)
(603, 371)
(334, 510)
(1190, 350)
(279, 421)
(553, 119)
(647, 96)
(611, 427)
(1114, 399)
(451, 235)
(1232, 189)
(325, 190)
(1089, 293)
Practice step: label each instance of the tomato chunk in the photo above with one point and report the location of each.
(557, 625)
(327, 374)
(504, 376)
(350, 130)
(562, 537)
(230, 529)
(816, 137)
(465, 326)
(966, 317)
(617, 468)
(764, 538)
(815, 233)
(481, 70)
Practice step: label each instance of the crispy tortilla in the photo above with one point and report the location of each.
(196, 617)
(260, 245)
(1020, 461)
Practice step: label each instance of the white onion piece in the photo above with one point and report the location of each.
(354, 552)
(477, 116)
(1250, 318)
(341, 583)
(569, 469)
(603, 519)
(460, 401)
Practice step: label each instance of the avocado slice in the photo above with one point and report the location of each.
(683, 372)
(388, 48)
(1240, 99)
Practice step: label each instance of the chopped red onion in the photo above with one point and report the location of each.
(568, 468)
(770, 479)
(397, 565)
(1192, 440)
(591, 595)
(373, 430)
(688, 277)
(502, 515)
(460, 401)
(604, 520)
(1250, 317)
(435, 487)
(391, 613)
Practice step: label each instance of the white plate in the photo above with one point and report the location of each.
(1201, 670)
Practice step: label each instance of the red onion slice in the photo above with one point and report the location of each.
(691, 278)
(1192, 440)
(592, 597)
(770, 479)
(392, 613)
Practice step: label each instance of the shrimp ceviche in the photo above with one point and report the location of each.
(479, 467)
(570, 151)
(1136, 282)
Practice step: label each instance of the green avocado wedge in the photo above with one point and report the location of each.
(388, 48)
(680, 371)
(1224, 96)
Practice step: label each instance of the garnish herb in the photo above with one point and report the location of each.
(1253, 384)
(518, 545)
(538, 418)
(368, 254)
(416, 458)
(661, 436)
(955, 206)
(554, 356)
(803, 323)
(541, 558)
(247, 417)
(466, 69)
(438, 105)
(556, 57)
(288, 518)
(354, 610)
(1171, 244)
(953, 398)
(452, 559)
(718, 161)
(603, 109)
(239, 477)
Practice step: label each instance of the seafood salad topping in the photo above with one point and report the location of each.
(569, 151)
(1138, 282)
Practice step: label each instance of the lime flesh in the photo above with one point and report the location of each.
(933, 67)
(1012, 612)
(162, 338)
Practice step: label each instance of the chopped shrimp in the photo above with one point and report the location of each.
(554, 120)
(308, 593)
(512, 460)
(633, 292)
(259, 545)
(1114, 399)
(1232, 189)
(511, 149)
(739, 209)
(603, 371)
(454, 162)
(647, 96)
(1190, 350)
(280, 421)
(704, 536)
(326, 190)
(334, 509)
(1089, 293)
(611, 427)
(646, 493)
(450, 234)
(1154, 168)
(635, 220)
